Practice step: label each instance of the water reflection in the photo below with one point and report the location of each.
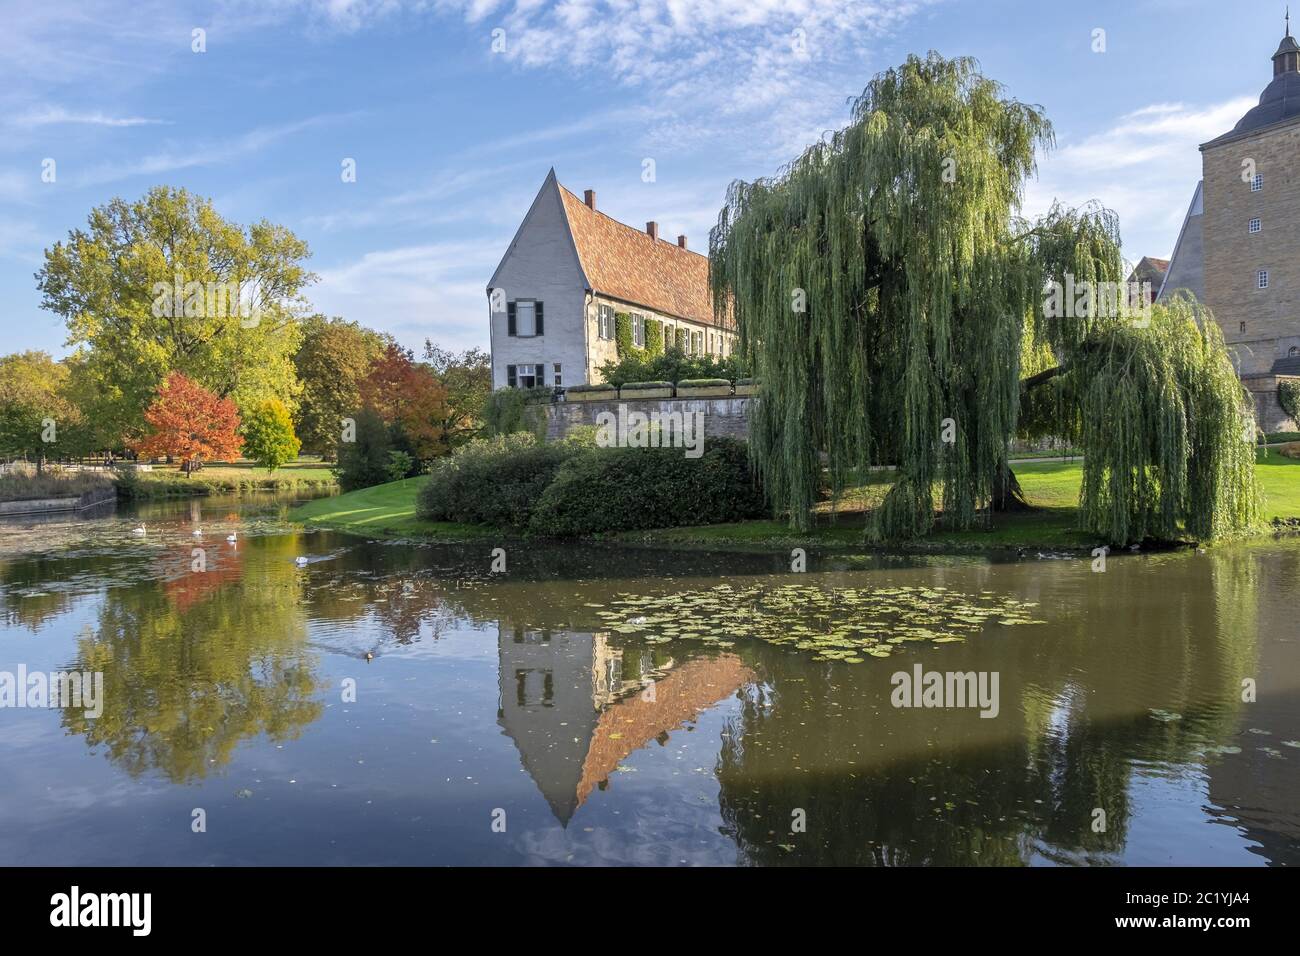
(1132, 701)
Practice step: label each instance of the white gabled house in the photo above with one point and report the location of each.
(569, 270)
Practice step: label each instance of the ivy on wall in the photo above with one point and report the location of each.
(654, 337)
(1288, 396)
(683, 339)
(623, 334)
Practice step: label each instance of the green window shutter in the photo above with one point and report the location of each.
(510, 369)
(510, 324)
(537, 307)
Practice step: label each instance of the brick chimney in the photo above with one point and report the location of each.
(652, 230)
(681, 242)
(589, 197)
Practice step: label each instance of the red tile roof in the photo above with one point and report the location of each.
(624, 263)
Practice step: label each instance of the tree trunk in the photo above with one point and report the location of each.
(1007, 493)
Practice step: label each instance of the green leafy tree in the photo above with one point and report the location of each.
(883, 285)
(467, 378)
(334, 358)
(165, 284)
(37, 416)
(368, 459)
(268, 435)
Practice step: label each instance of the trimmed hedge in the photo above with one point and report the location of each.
(631, 489)
(493, 481)
(633, 386)
(702, 382)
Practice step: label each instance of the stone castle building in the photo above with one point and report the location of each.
(1239, 247)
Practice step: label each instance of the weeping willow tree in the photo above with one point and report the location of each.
(885, 289)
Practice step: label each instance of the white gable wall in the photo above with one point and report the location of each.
(542, 264)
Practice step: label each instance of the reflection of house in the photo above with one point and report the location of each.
(575, 706)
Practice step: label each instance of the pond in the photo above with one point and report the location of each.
(403, 704)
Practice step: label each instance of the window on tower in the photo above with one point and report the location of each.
(1255, 226)
(1257, 184)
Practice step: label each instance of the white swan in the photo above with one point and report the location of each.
(300, 560)
(139, 530)
(232, 537)
(197, 532)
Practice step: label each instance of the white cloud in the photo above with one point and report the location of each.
(1144, 166)
(57, 115)
(436, 290)
(189, 155)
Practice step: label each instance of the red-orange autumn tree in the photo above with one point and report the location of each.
(188, 422)
(408, 394)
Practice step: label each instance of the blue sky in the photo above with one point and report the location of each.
(451, 137)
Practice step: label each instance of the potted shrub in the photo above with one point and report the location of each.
(704, 388)
(590, 393)
(646, 390)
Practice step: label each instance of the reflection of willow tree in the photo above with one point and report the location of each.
(185, 681)
(941, 787)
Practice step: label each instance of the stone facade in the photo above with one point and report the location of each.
(1260, 325)
(1269, 415)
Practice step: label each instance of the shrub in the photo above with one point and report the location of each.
(493, 481)
(633, 386)
(703, 382)
(630, 489)
(504, 412)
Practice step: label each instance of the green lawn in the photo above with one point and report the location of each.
(1052, 487)
(384, 511)
(388, 511)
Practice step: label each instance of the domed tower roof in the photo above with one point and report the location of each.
(1280, 100)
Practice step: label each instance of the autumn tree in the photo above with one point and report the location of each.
(166, 284)
(190, 423)
(268, 435)
(333, 359)
(411, 401)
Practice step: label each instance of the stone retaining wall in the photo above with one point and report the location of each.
(723, 417)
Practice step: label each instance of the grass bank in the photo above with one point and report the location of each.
(384, 511)
(388, 511)
(167, 481)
